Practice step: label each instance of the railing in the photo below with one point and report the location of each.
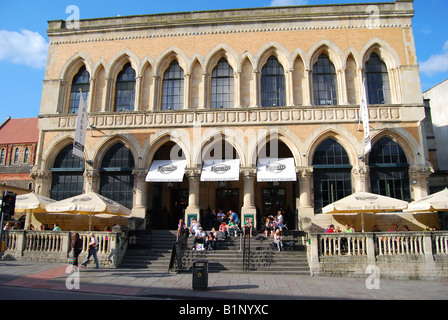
(385, 244)
(399, 254)
(52, 246)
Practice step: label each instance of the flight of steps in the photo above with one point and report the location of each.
(227, 257)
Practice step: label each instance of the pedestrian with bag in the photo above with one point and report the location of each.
(93, 243)
(76, 250)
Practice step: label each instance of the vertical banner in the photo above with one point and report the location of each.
(81, 129)
(364, 113)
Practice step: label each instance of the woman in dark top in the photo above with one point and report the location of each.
(76, 247)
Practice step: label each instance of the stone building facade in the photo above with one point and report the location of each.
(205, 88)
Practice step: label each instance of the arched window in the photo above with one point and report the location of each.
(378, 88)
(273, 84)
(67, 175)
(16, 156)
(389, 170)
(125, 89)
(222, 91)
(173, 87)
(2, 156)
(332, 174)
(116, 178)
(26, 155)
(81, 81)
(324, 82)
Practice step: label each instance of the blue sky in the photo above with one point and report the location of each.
(24, 42)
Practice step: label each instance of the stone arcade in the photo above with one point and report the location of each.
(235, 87)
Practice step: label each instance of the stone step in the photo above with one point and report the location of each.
(154, 251)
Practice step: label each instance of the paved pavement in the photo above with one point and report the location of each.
(221, 286)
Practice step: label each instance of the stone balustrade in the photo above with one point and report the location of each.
(402, 255)
(49, 246)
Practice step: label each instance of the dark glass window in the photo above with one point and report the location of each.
(2, 157)
(116, 178)
(377, 78)
(389, 170)
(67, 175)
(26, 155)
(273, 84)
(16, 156)
(173, 87)
(81, 81)
(125, 89)
(324, 82)
(332, 174)
(222, 91)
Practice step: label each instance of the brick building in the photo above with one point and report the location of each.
(18, 145)
(199, 93)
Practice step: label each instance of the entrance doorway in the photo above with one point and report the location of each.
(274, 199)
(179, 202)
(227, 199)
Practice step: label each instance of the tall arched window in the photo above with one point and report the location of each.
(324, 82)
(2, 156)
(389, 170)
(222, 91)
(67, 175)
(125, 89)
(16, 156)
(173, 87)
(377, 77)
(273, 92)
(332, 174)
(81, 82)
(26, 155)
(116, 178)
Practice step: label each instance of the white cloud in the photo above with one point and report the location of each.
(281, 3)
(24, 47)
(436, 63)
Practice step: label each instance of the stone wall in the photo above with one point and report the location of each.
(54, 247)
(398, 255)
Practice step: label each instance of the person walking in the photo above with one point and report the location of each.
(76, 249)
(92, 252)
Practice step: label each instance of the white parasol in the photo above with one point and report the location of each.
(90, 203)
(364, 202)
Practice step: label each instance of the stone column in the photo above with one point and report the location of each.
(289, 86)
(141, 189)
(418, 176)
(308, 95)
(204, 103)
(91, 102)
(194, 178)
(237, 85)
(91, 177)
(155, 95)
(360, 175)
(257, 89)
(187, 91)
(306, 210)
(138, 93)
(43, 182)
(249, 210)
(342, 83)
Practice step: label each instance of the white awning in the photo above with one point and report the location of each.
(273, 169)
(221, 170)
(167, 171)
